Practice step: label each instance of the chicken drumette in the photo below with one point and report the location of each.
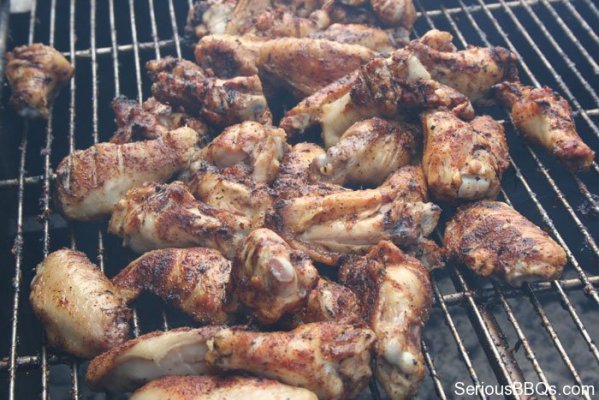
(35, 74)
(492, 238)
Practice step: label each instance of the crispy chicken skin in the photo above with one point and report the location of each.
(367, 153)
(408, 184)
(90, 182)
(396, 296)
(332, 360)
(35, 74)
(131, 364)
(78, 306)
(229, 56)
(492, 238)
(395, 12)
(151, 120)
(472, 71)
(194, 280)
(545, 118)
(463, 160)
(157, 216)
(375, 39)
(329, 226)
(207, 17)
(181, 83)
(270, 278)
(219, 388)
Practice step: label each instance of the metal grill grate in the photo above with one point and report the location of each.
(480, 331)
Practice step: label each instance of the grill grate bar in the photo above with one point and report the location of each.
(433, 372)
(582, 21)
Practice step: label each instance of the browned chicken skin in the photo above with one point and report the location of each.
(181, 83)
(545, 118)
(395, 294)
(90, 182)
(375, 39)
(463, 160)
(332, 360)
(219, 388)
(492, 238)
(270, 278)
(194, 280)
(35, 74)
(80, 309)
(158, 216)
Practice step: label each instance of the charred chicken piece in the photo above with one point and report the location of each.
(545, 118)
(207, 17)
(181, 83)
(78, 306)
(493, 239)
(328, 226)
(270, 278)
(367, 153)
(472, 71)
(194, 280)
(219, 388)
(35, 74)
(91, 181)
(131, 364)
(229, 56)
(151, 120)
(396, 297)
(332, 360)
(157, 216)
(463, 160)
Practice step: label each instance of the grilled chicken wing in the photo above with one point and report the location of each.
(35, 74)
(133, 363)
(91, 181)
(492, 238)
(229, 56)
(396, 297)
(157, 216)
(472, 71)
(375, 39)
(367, 153)
(330, 359)
(545, 118)
(328, 226)
(463, 160)
(221, 103)
(151, 120)
(79, 307)
(194, 280)
(219, 388)
(395, 12)
(270, 278)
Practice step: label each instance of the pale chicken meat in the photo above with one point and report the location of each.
(328, 226)
(270, 278)
(472, 71)
(157, 216)
(396, 297)
(463, 160)
(80, 309)
(493, 239)
(332, 360)
(181, 83)
(151, 120)
(545, 118)
(132, 364)
(36, 74)
(219, 388)
(194, 280)
(90, 182)
(367, 153)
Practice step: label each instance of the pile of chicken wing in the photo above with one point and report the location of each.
(235, 210)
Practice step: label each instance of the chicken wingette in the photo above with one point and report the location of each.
(35, 74)
(396, 297)
(463, 160)
(545, 118)
(330, 359)
(80, 309)
(90, 182)
(157, 216)
(493, 239)
(194, 280)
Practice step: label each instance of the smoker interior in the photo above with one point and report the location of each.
(479, 330)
